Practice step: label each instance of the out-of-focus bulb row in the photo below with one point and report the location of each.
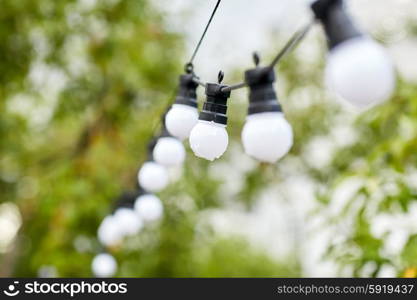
(127, 220)
(166, 152)
(136, 210)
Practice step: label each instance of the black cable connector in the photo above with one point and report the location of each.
(215, 107)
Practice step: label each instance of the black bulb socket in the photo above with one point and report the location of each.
(262, 96)
(337, 23)
(187, 91)
(215, 107)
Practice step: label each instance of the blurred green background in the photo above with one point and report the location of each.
(82, 88)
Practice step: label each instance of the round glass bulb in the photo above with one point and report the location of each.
(153, 177)
(360, 71)
(104, 265)
(109, 233)
(149, 207)
(209, 140)
(128, 221)
(169, 151)
(267, 136)
(180, 119)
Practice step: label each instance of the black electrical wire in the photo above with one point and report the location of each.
(295, 39)
(190, 62)
(199, 82)
(234, 87)
(292, 43)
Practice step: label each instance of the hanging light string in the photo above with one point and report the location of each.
(290, 45)
(189, 65)
(189, 68)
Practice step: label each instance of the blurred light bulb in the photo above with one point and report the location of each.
(153, 177)
(104, 265)
(128, 221)
(108, 232)
(149, 207)
(209, 140)
(169, 151)
(267, 136)
(360, 71)
(180, 119)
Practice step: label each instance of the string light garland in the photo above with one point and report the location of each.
(133, 211)
(358, 69)
(266, 136)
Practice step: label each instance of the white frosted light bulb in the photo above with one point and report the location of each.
(128, 221)
(153, 177)
(360, 71)
(267, 136)
(209, 140)
(104, 265)
(169, 151)
(149, 207)
(109, 233)
(180, 119)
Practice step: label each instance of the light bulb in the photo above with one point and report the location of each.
(209, 140)
(267, 136)
(153, 177)
(360, 71)
(109, 233)
(149, 207)
(104, 265)
(128, 221)
(169, 152)
(180, 119)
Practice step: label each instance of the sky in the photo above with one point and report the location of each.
(243, 26)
